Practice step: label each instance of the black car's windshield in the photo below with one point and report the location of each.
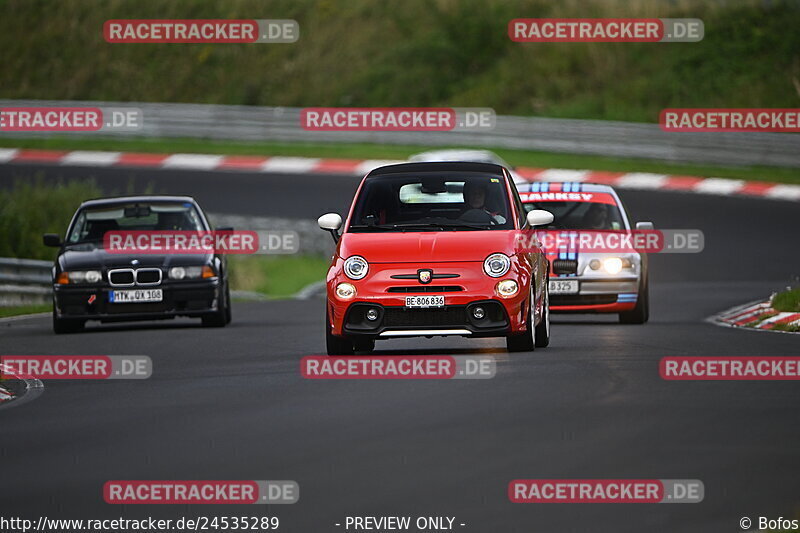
(432, 202)
(581, 215)
(93, 222)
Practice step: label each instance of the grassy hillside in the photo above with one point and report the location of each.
(409, 52)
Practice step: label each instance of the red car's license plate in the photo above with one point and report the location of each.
(424, 301)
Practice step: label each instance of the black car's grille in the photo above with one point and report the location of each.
(565, 266)
(123, 277)
(148, 276)
(401, 317)
(131, 276)
(426, 288)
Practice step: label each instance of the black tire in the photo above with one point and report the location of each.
(523, 342)
(364, 345)
(218, 318)
(66, 325)
(641, 313)
(228, 307)
(542, 336)
(336, 345)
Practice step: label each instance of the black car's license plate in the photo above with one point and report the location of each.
(134, 296)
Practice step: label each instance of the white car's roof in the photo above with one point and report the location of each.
(480, 156)
(464, 154)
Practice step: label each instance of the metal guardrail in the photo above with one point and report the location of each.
(591, 137)
(25, 281)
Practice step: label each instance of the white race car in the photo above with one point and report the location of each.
(466, 154)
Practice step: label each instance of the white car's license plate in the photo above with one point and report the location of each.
(135, 296)
(424, 301)
(564, 286)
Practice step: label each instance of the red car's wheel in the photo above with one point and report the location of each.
(525, 341)
(542, 332)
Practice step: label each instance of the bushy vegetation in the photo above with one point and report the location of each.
(410, 53)
(31, 208)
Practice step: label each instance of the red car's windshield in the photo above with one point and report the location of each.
(432, 202)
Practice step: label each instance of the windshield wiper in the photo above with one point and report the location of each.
(420, 225)
(465, 225)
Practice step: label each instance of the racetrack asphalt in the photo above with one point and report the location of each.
(231, 404)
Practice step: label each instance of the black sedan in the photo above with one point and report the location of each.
(93, 283)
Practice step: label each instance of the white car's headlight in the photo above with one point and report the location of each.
(496, 265)
(612, 265)
(85, 276)
(356, 267)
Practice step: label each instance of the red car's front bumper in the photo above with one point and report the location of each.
(464, 286)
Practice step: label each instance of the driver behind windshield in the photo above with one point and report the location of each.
(596, 217)
(476, 210)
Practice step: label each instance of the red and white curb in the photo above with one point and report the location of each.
(740, 316)
(359, 167)
(6, 395)
(29, 388)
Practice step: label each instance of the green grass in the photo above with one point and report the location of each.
(787, 301)
(16, 310)
(276, 277)
(786, 327)
(409, 53)
(522, 158)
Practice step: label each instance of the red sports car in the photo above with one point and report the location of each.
(431, 249)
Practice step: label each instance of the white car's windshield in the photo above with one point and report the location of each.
(581, 215)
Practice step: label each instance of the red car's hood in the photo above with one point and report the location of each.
(434, 246)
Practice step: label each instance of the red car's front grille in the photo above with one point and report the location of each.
(426, 288)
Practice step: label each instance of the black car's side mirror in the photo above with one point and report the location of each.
(51, 239)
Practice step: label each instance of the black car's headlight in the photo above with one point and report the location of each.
(356, 267)
(496, 265)
(80, 276)
(191, 272)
